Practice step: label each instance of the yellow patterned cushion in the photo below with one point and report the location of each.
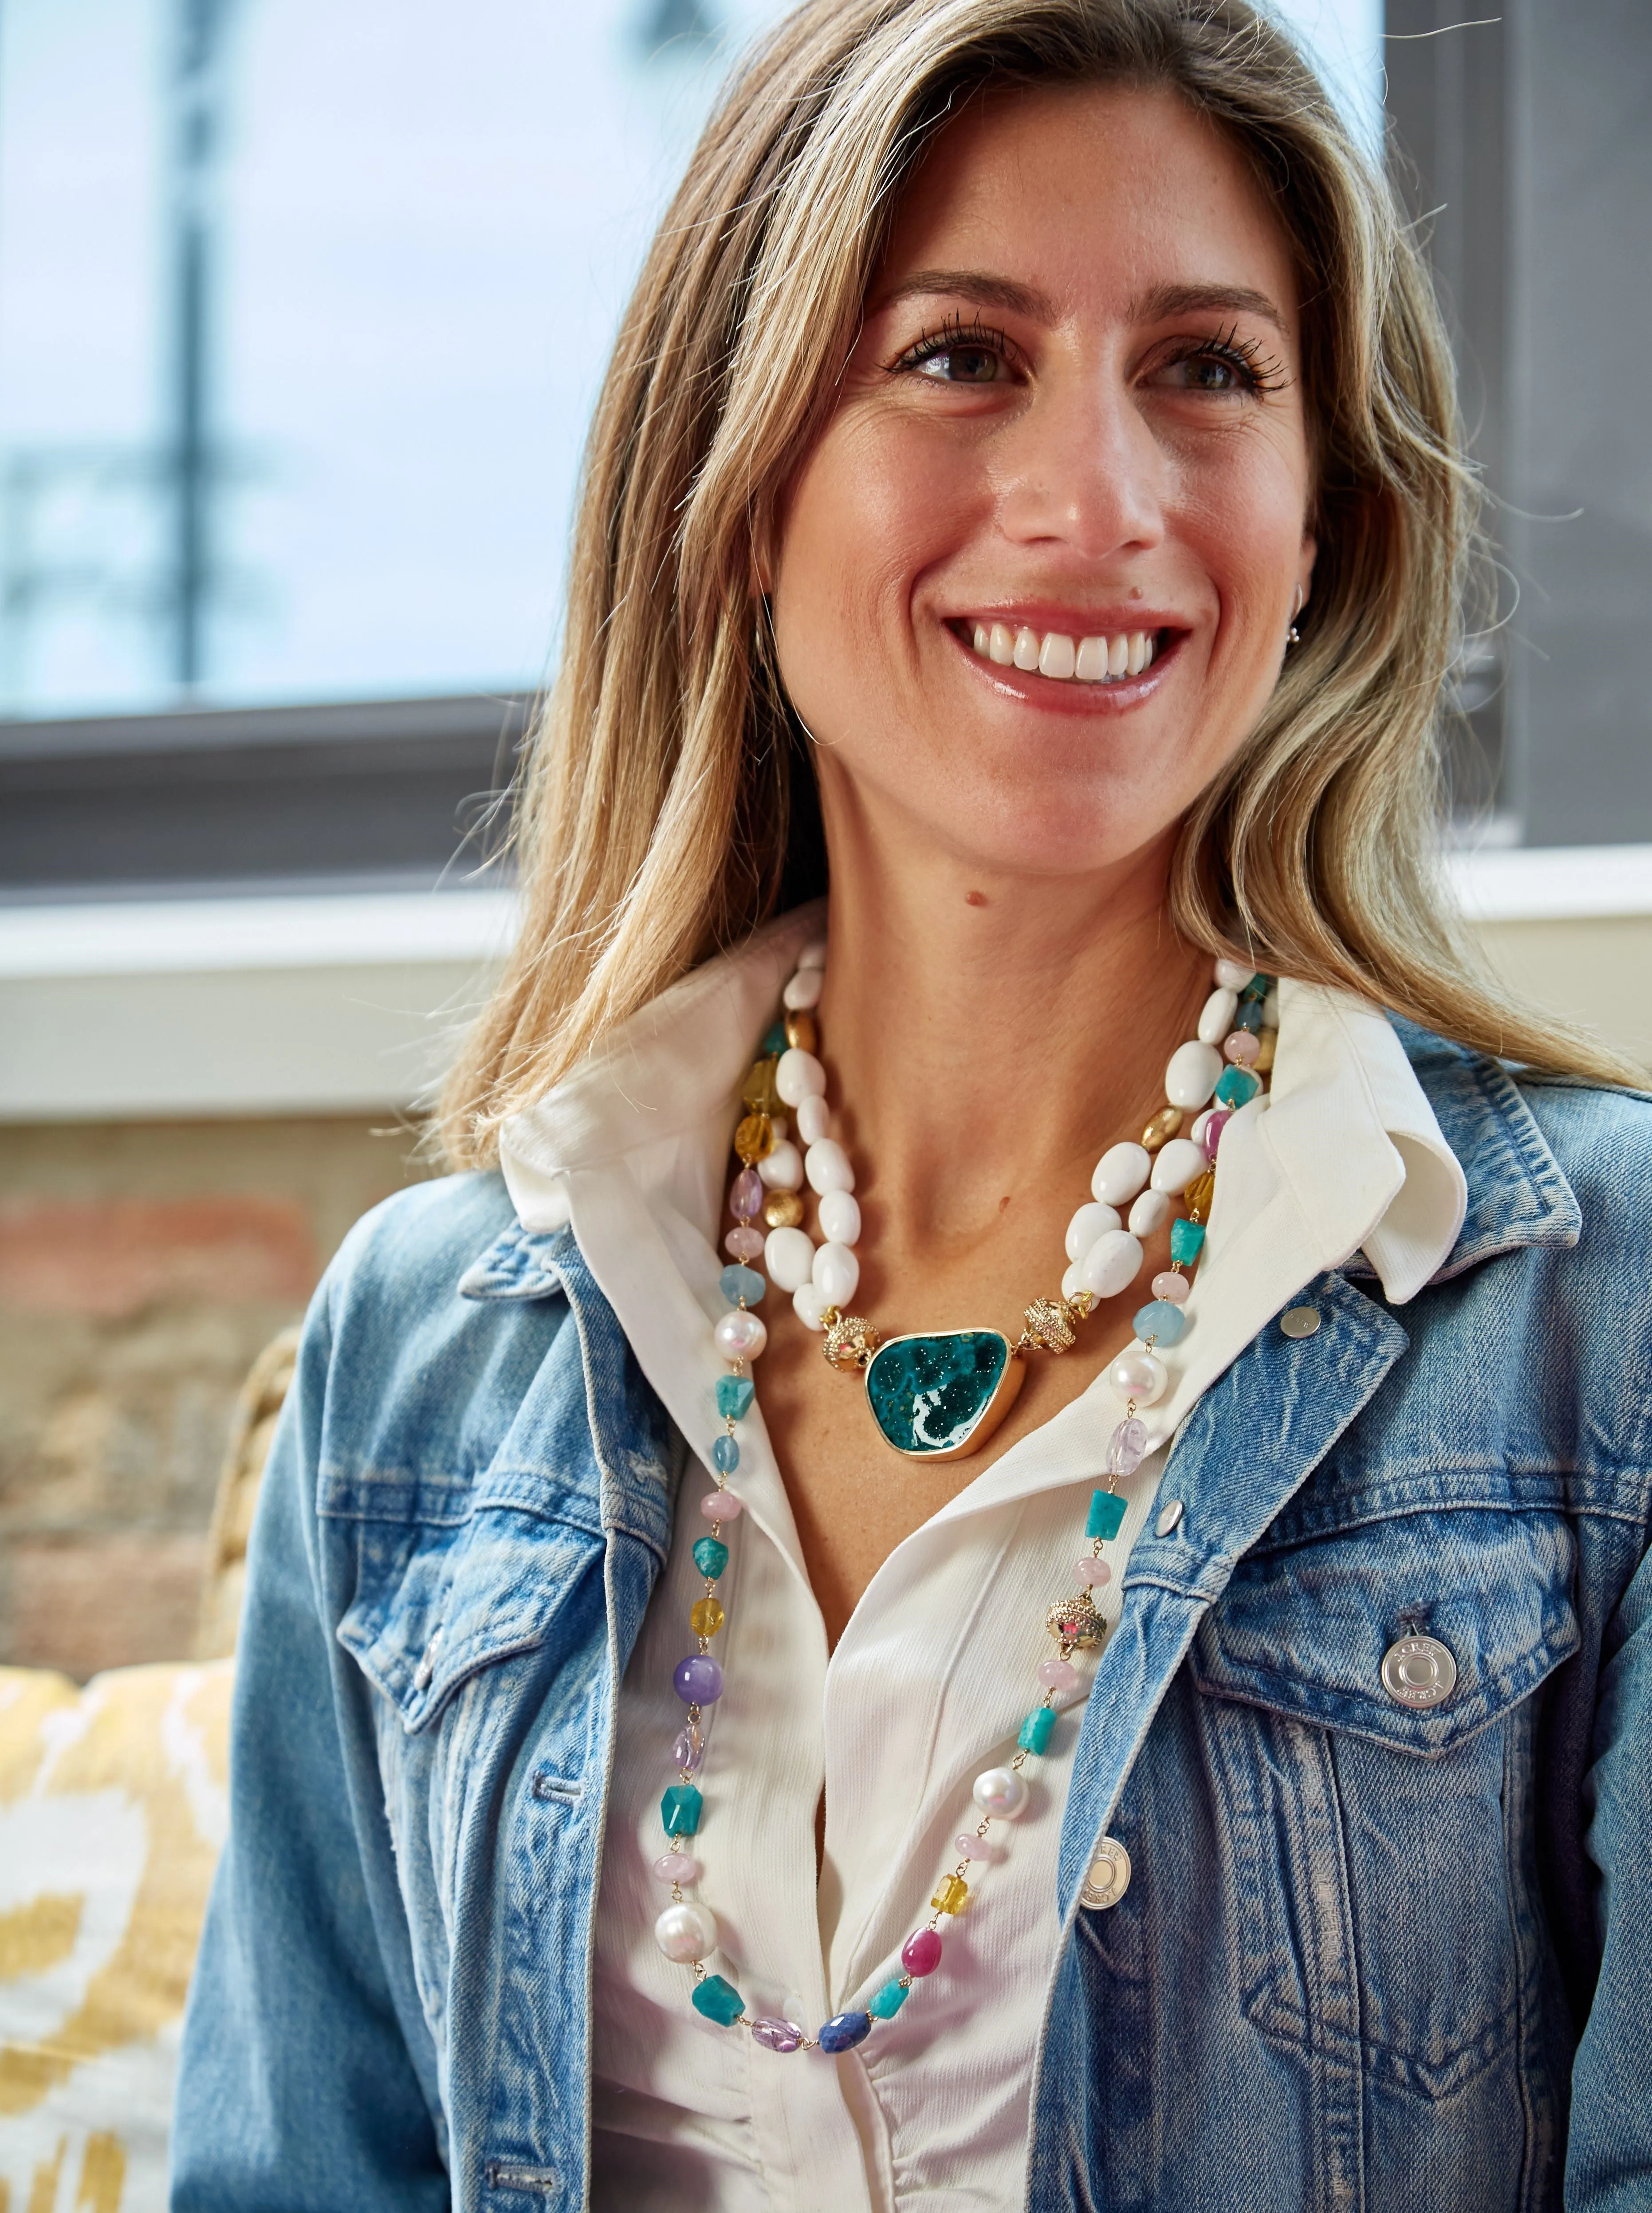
(112, 1809)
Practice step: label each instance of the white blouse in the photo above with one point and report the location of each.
(935, 1671)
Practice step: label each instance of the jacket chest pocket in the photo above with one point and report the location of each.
(1385, 1893)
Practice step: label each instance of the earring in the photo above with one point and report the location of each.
(1293, 635)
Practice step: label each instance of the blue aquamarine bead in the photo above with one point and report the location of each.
(1160, 1319)
(1236, 1086)
(718, 1999)
(680, 1809)
(737, 1284)
(725, 1455)
(698, 1680)
(889, 2001)
(776, 1041)
(1107, 1515)
(845, 2031)
(1035, 1729)
(711, 1557)
(735, 1397)
(1249, 1016)
(1186, 1238)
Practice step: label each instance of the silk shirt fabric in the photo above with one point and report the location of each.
(935, 1671)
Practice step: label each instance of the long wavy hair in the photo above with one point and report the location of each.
(666, 802)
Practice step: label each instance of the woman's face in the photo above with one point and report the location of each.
(1070, 432)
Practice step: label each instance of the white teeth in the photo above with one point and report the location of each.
(1091, 659)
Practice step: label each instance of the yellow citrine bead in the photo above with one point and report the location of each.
(759, 1094)
(953, 1896)
(1163, 1128)
(800, 1031)
(1198, 1196)
(1264, 1046)
(705, 1617)
(783, 1209)
(754, 1139)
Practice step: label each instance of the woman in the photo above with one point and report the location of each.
(1024, 501)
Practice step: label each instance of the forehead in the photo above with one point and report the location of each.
(1098, 194)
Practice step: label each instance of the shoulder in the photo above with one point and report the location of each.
(420, 1241)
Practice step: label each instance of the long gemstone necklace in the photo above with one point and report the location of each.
(944, 1380)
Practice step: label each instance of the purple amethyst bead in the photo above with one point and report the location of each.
(698, 1680)
(777, 2035)
(747, 1195)
(1127, 1448)
(686, 1751)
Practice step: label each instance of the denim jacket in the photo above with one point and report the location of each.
(1375, 1959)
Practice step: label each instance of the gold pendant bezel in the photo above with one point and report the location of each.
(1004, 1395)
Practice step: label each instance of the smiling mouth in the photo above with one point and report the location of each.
(1053, 653)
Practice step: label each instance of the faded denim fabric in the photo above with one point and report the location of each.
(1372, 1960)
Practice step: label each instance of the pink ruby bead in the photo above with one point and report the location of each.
(678, 1867)
(1171, 1286)
(921, 1954)
(744, 1243)
(1093, 1571)
(1240, 1047)
(748, 1194)
(721, 1506)
(975, 1848)
(1057, 1674)
(1210, 1136)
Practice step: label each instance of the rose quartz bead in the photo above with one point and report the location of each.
(1059, 1675)
(678, 1867)
(1093, 1571)
(1171, 1286)
(921, 1954)
(970, 1847)
(1214, 1124)
(721, 1506)
(744, 1243)
(748, 1194)
(1240, 1047)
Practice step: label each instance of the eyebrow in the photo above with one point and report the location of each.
(1163, 300)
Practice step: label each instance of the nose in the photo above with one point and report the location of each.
(1081, 470)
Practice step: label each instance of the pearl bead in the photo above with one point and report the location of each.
(803, 990)
(827, 1165)
(1112, 1264)
(814, 954)
(1241, 1048)
(1058, 1675)
(1120, 1173)
(741, 1336)
(1139, 1375)
(1093, 1571)
(1216, 1018)
(837, 1272)
(1148, 1213)
(1090, 1223)
(744, 1242)
(809, 1302)
(685, 1932)
(678, 1867)
(798, 1075)
(840, 1217)
(783, 1168)
(1233, 975)
(1000, 1792)
(788, 1256)
(1193, 1074)
(721, 1506)
(814, 1119)
(1178, 1163)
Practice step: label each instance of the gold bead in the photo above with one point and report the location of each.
(800, 1031)
(759, 1094)
(1198, 1196)
(849, 1340)
(953, 1896)
(783, 1209)
(1050, 1325)
(705, 1617)
(754, 1139)
(1075, 1620)
(1163, 1128)
(1264, 1046)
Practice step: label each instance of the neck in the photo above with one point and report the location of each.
(989, 1035)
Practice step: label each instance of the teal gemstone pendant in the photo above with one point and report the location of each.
(941, 1397)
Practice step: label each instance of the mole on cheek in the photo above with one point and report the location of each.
(974, 899)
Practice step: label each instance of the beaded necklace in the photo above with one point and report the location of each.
(937, 1397)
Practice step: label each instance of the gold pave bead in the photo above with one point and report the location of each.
(1050, 1325)
(800, 1031)
(783, 1209)
(1163, 1128)
(953, 1895)
(849, 1341)
(705, 1617)
(758, 1093)
(1198, 1194)
(754, 1139)
(1075, 1620)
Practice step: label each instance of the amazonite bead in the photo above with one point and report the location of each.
(1185, 1239)
(681, 1810)
(711, 1557)
(1238, 1087)
(734, 1396)
(718, 1999)
(1107, 1515)
(889, 2000)
(1035, 1729)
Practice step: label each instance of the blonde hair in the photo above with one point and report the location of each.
(666, 806)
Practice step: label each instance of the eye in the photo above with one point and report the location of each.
(961, 365)
(1220, 366)
(958, 354)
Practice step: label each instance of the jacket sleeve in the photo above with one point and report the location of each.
(1609, 2148)
(308, 2076)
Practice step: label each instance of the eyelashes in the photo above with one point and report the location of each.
(1257, 372)
(1257, 369)
(954, 335)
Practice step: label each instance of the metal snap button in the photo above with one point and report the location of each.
(1420, 1671)
(1169, 1516)
(1108, 1877)
(1300, 1321)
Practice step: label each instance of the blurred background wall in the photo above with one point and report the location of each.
(303, 309)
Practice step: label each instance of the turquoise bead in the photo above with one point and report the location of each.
(1107, 1515)
(1236, 1086)
(775, 1041)
(725, 1455)
(1035, 1729)
(888, 2001)
(718, 1999)
(680, 1809)
(1161, 1320)
(734, 1396)
(1186, 1238)
(738, 1283)
(711, 1557)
